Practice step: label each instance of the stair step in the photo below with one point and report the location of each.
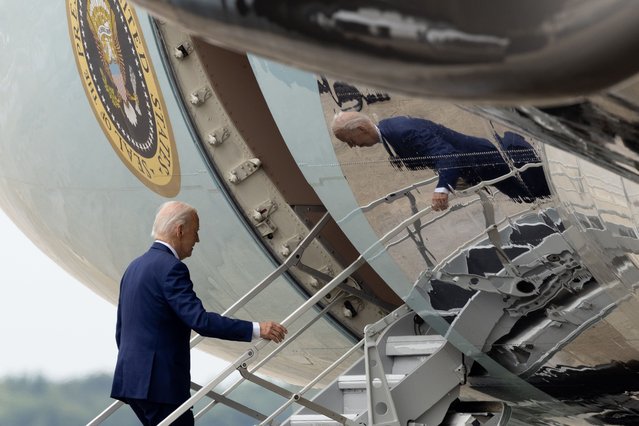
(358, 381)
(354, 391)
(413, 345)
(317, 420)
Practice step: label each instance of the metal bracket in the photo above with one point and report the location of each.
(218, 136)
(374, 329)
(492, 283)
(244, 170)
(289, 245)
(263, 211)
(381, 408)
(462, 372)
(183, 50)
(199, 96)
(261, 214)
(379, 397)
(323, 278)
(266, 228)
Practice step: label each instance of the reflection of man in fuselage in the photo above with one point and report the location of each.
(417, 144)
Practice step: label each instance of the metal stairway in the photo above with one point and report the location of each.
(407, 376)
(404, 378)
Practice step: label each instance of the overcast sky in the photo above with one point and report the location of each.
(53, 325)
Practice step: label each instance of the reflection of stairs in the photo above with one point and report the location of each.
(413, 378)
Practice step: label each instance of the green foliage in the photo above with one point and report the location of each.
(36, 401)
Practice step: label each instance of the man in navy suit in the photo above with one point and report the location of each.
(157, 311)
(416, 144)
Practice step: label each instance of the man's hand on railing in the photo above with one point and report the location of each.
(440, 201)
(272, 331)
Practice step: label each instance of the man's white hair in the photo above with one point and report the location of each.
(170, 215)
(349, 120)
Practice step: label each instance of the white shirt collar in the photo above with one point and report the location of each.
(170, 248)
(379, 134)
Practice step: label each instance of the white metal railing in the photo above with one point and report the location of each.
(240, 362)
(452, 209)
(250, 353)
(293, 259)
(245, 358)
(278, 349)
(290, 261)
(231, 403)
(395, 195)
(465, 192)
(106, 413)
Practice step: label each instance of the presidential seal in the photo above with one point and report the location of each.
(121, 86)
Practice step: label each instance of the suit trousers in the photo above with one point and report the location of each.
(152, 413)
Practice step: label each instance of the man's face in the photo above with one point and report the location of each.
(363, 135)
(189, 237)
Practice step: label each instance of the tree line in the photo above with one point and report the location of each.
(38, 401)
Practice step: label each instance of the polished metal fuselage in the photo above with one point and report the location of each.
(68, 191)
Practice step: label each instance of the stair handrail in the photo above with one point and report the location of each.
(393, 196)
(267, 358)
(250, 353)
(106, 413)
(290, 261)
(448, 211)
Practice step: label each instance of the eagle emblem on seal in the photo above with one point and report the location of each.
(104, 30)
(120, 83)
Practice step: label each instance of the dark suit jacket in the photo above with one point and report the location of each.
(419, 144)
(156, 312)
